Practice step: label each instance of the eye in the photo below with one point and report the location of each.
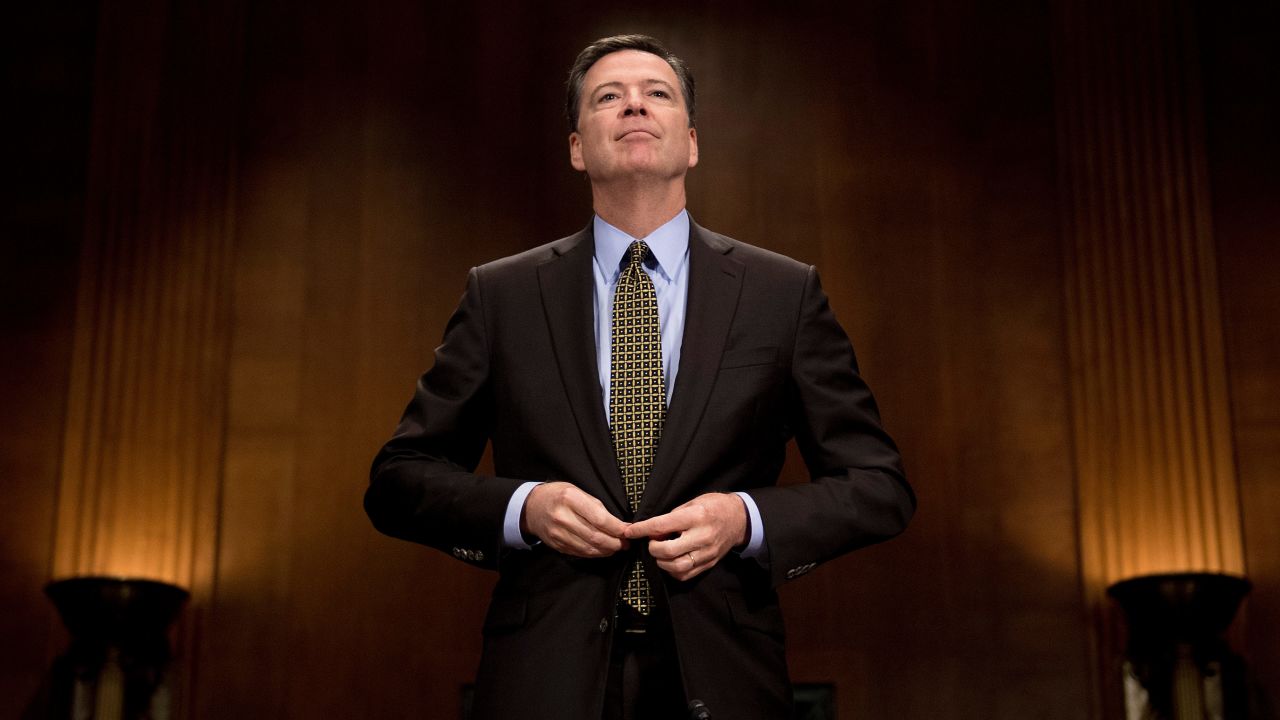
(660, 93)
(606, 97)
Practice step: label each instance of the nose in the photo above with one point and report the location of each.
(634, 105)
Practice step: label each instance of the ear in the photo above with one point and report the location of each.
(575, 152)
(693, 147)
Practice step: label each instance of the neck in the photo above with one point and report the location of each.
(637, 209)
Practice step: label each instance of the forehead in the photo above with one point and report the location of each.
(626, 66)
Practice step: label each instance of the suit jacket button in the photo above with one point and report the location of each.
(479, 556)
(604, 625)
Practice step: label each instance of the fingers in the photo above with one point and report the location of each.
(672, 548)
(704, 529)
(684, 564)
(688, 565)
(573, 522)
(660, 525)
(685, 542)
(593, 512)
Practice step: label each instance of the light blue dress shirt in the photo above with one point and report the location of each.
(668, 267)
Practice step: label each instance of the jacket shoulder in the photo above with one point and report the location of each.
(755, 258)
(525, 260)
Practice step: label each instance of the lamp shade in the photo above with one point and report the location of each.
(115, 610)
(1182, 607)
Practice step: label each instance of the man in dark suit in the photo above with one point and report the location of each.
(639, 381)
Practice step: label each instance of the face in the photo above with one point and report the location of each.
(632, 120)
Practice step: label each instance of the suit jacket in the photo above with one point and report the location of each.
(763, 360)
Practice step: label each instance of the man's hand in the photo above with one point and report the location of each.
(571, 521)
(689, 540)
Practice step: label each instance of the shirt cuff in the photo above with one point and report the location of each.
(511, 535)
(755, 528)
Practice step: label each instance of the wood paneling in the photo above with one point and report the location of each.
(1154, 455)
(1242, 112)
(143, 443)
(142, 446)
(46, 51)
(353, 241)
(1153, 438)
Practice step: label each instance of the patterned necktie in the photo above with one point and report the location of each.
(637, 395)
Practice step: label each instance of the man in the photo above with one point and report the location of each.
(639, 381)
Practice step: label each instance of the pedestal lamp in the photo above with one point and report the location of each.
(115, 667)
(1176, 650)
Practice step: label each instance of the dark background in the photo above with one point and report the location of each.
(357, 160)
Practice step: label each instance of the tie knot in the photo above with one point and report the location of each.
(637, 253)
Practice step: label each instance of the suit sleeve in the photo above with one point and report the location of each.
(423, 487)
(858, 494)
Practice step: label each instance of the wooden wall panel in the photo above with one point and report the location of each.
(143, 440)
(1242, 111)
(46, 52)
(142, 446)
(1157, 478)
(352, 248)
(1154, 451)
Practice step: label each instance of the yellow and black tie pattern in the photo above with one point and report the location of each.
(637, 394)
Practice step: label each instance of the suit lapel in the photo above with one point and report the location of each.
(715, 280)
(566, 281)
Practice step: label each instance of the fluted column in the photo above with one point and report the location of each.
(1153, 442)
(142, 450)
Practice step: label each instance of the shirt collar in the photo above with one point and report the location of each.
(669, 244)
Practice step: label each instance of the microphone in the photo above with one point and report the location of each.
(698, 710)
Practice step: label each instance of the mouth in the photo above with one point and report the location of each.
(636, 131)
